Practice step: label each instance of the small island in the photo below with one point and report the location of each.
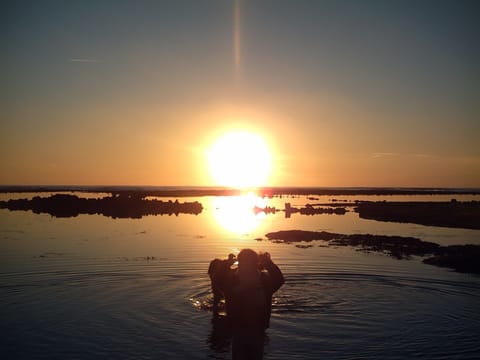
(453, 214)
(115, 206)
(461, 258)
(308, 209)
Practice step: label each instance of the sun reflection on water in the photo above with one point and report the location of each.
(237, 214)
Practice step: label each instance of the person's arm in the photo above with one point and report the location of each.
(276, 276)
(211, 268)
(223, 273)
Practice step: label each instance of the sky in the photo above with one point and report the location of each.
(344, 93)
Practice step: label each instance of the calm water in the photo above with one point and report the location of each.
(92, 287)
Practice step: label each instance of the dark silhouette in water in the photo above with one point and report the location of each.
(213, 269)
(118, 206)
(220, 337)
(456, 214)
(248, 293)
(311, 210)
(461, 258)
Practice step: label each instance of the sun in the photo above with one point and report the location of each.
(239, 159)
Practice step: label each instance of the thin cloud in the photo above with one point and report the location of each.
(383, 154)
(405, 155)
(84, 60)
(423, 155)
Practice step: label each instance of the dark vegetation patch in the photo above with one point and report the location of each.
(118, 206)
(454, 213)
(461, 258)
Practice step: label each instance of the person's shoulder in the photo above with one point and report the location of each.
(271, 278)
(214, 264)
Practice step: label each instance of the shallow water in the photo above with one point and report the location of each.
(93, 287)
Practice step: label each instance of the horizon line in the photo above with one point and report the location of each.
(211, 190)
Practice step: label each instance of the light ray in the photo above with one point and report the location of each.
(236, 37)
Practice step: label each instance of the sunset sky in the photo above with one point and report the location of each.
(344, 93)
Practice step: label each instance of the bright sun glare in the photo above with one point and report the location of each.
(240, 160)
(236, 213)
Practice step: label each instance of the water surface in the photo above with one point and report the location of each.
(92, 287)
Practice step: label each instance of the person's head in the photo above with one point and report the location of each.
(247, 259)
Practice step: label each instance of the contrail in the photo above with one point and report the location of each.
(236, 37)
(86, 60)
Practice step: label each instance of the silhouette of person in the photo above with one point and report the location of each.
(213, 268)
(248, 295)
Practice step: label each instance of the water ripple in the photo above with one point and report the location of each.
(392, 315)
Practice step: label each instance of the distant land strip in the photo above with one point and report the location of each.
(186, 191)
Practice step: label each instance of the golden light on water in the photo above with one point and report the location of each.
(236, 213)
(239, 159)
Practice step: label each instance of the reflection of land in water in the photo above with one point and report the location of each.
(119, 206)
(461, 258)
